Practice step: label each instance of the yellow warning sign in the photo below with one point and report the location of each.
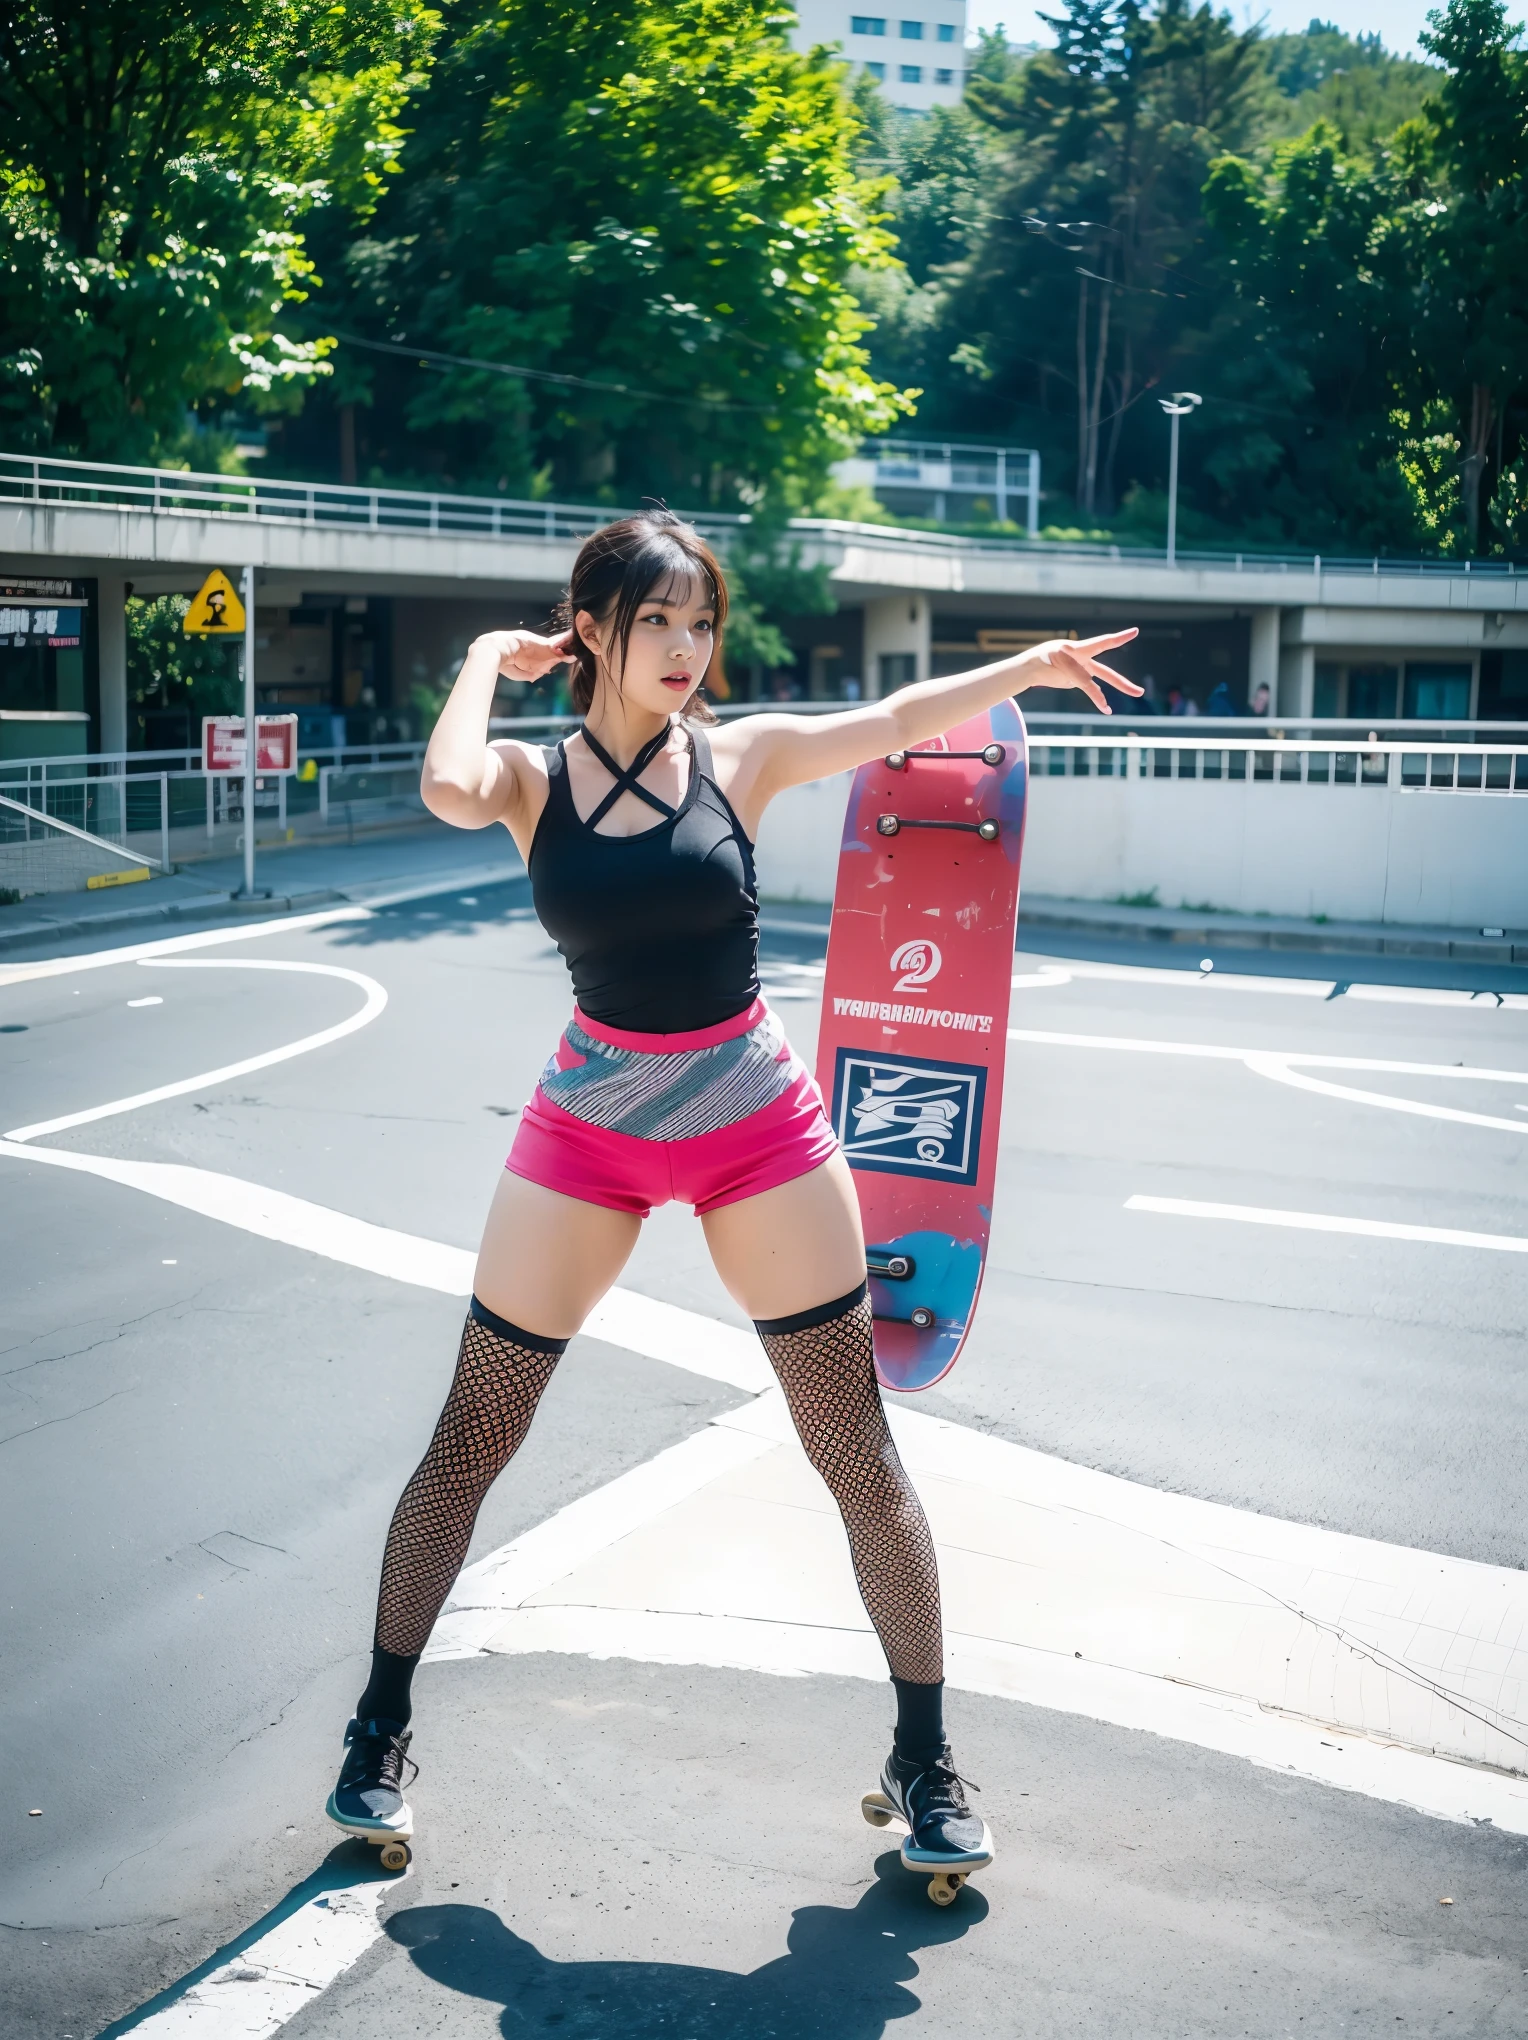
(216, 610)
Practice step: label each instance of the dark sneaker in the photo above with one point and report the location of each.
(368, 1799)
(942, 1831)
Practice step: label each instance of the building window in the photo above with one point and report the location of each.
(1437, 691)
(912, 31)
(912, 74)
(944, 77)
(868, 24)
(946, 31)
(876, 70)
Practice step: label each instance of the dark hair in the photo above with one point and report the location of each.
(616, 572)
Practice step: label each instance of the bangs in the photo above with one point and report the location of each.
(679, 582)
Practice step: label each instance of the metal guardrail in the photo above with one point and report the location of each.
(1416, 767)
(171, 492)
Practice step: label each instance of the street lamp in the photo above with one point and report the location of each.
(1179, 406)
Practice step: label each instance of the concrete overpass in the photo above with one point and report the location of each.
(364, 593)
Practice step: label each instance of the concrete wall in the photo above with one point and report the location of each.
(1366, 853)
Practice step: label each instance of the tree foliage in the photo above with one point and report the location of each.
(653, 212)
(156, 167)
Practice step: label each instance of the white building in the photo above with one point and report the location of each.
(916, 54)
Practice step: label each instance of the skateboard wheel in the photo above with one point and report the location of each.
(396, 1855)
(945, 1889)
(991, 755)
(922, 1317)
(875, 1810)
(897, 760)
(887, 825)
(987, 831)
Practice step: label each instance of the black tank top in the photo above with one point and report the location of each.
(660, 930)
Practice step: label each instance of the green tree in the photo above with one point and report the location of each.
(654, 213)
(166, 670)
(1091, 267)
(1318, 343)
(1476, 254)
(156, 167)
(1362, 91)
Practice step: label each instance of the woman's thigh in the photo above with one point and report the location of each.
(792, 1247)
(546, 1259)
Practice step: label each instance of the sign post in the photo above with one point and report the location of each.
(251, 738)
(217, 611)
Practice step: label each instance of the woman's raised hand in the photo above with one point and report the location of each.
(1075, 662)
(522, 655)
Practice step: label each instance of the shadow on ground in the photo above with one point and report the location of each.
(845, 1975)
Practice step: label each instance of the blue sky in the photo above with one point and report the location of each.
(1398, 21)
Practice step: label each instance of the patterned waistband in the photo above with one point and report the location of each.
(672, 1096)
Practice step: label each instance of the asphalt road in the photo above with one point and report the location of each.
(203, 1432)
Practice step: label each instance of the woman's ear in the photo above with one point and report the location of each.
(588, 632)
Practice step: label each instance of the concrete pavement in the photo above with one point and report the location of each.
(210, 1438)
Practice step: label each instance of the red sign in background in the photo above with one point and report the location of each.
(223, 743)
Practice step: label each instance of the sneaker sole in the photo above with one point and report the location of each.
(399, 1828)
(881, 1810)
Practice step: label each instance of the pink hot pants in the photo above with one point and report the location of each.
(632, 1120)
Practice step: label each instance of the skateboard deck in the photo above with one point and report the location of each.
(944, 1886)
(914, 1023)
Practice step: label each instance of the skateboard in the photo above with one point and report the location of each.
(914, 1023)
(945, 1885)
(396, 1849)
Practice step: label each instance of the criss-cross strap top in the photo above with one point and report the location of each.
(660, 930)
(627, 778)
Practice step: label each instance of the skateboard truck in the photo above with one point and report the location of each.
(892, 825)
(990, 754)
(889, 1264)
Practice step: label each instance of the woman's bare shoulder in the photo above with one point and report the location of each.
(527, 761)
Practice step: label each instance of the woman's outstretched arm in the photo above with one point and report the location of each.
(786, 750)
(466, 780)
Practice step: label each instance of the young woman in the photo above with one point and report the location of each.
(672, 1080)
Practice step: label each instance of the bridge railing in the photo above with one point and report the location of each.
(173, 492)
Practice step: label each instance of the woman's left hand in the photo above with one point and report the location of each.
(1075, 662)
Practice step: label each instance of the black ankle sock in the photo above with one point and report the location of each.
(920, 1720)
(387, 1690)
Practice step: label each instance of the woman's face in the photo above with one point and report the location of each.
(669, 649)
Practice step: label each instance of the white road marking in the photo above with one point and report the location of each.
(175, 945)
(275, 1974)
(1064, 1588)
(1318, 1221)
(152, 1000)
(1280, 987)
(376, 999)
(1279, 1069)
(639, 1324)
(1285, 1066)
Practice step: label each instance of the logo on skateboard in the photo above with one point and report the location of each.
(919, 963)
(903, 1115)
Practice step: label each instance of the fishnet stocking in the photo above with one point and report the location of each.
(828, 1375)
(493, 1397)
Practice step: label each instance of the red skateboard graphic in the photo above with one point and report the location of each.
(915, 1019)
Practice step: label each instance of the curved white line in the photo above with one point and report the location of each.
(1280, 1066)
(1280, 1072)
(376, 999)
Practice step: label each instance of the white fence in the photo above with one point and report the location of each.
(161, 805)
(1399, 832)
